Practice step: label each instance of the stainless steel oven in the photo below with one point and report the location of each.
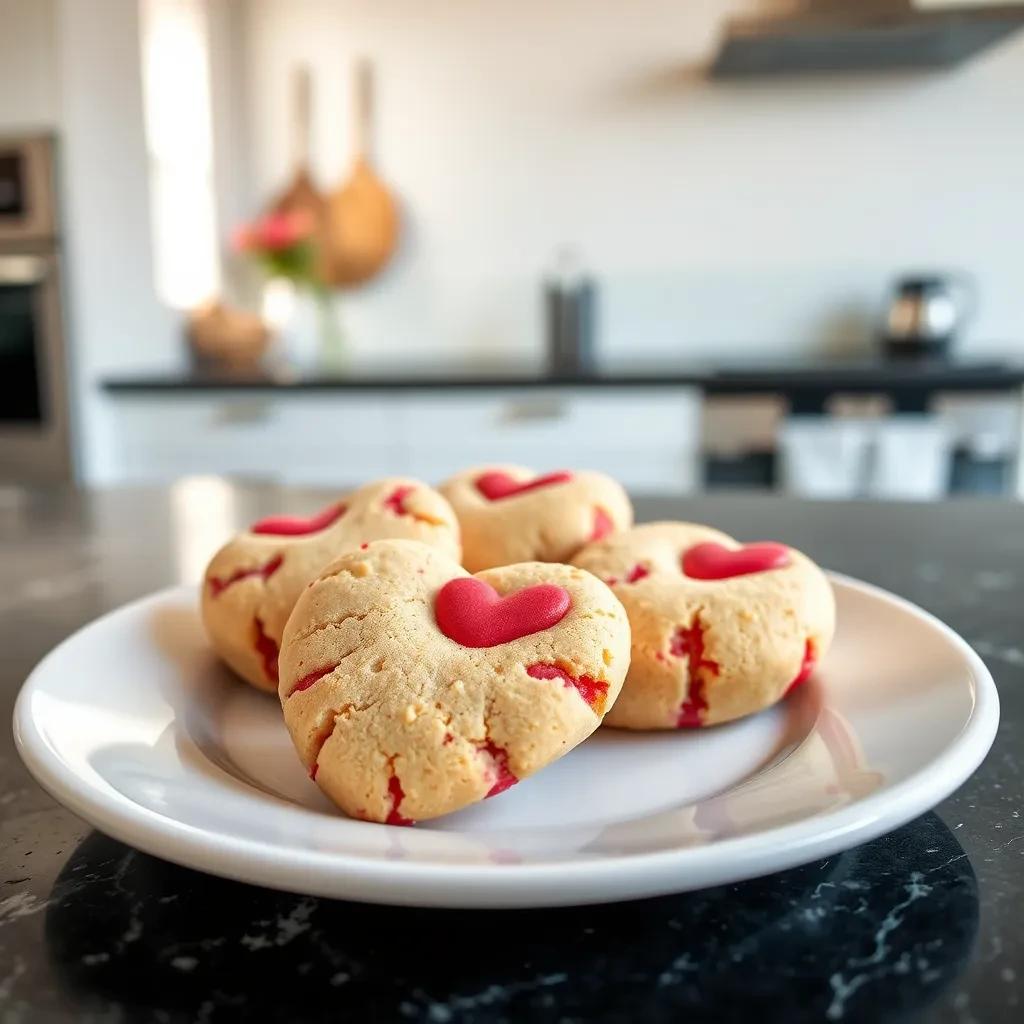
(34, 429)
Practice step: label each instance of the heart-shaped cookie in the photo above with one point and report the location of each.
(720, 629)
(510, 514)
(252, 583)
(411, 688)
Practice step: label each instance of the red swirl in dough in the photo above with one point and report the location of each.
(219, 584)
(396, 795)
(266, 647)
(593, 691)
(503, 777)
(688, 642)
(806, 667)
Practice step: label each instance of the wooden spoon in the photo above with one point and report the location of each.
(362, 215)
(302, 196)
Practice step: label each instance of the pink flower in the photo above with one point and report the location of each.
(282, 230)
(273, 232)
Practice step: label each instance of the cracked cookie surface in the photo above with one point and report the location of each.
(720, 629)
(511, 514)
(412, 689)
(251, 584)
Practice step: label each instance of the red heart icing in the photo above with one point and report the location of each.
(296, 526)
(710, 561)
(473, 614)
(495, 484)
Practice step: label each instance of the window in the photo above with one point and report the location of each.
(176, 97)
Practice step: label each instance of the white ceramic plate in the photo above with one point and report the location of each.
(134, 726)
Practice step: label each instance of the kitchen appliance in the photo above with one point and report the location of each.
(27, 205)
(863, 35)
(34, 436)
(570, 299)
(925, 314)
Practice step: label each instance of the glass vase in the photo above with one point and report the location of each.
(331, 338)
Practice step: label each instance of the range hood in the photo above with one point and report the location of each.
(862, 35)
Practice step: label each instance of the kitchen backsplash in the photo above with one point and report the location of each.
(763, 217)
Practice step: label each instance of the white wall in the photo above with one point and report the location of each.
(116, 323)
(29, 86)
(722, 219)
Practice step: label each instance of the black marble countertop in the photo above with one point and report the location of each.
(789, 377)
(921, 925)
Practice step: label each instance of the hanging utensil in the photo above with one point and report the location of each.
(302, 197)
(362, 215)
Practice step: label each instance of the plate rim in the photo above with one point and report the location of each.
(488, 885)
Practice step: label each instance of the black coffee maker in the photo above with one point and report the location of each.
(926, 313)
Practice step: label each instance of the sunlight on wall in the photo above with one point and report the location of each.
(176, 94)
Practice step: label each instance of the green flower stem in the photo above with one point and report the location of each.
(332, 340)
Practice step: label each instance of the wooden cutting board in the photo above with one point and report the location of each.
(362, 214)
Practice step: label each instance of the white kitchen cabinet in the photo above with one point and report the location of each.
(313, 439)
(646, 437)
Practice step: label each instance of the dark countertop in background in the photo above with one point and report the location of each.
(808, 384)
(922, 925)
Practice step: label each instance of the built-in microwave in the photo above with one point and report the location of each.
(28, 211)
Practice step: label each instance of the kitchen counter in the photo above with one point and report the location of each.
(923, 924)
(808, 385)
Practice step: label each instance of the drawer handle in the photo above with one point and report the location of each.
(534, 410)
(256, 410)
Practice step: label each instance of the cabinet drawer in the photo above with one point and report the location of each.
(647, 440)
(290, 439)
(664, 472)
(563, 418)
